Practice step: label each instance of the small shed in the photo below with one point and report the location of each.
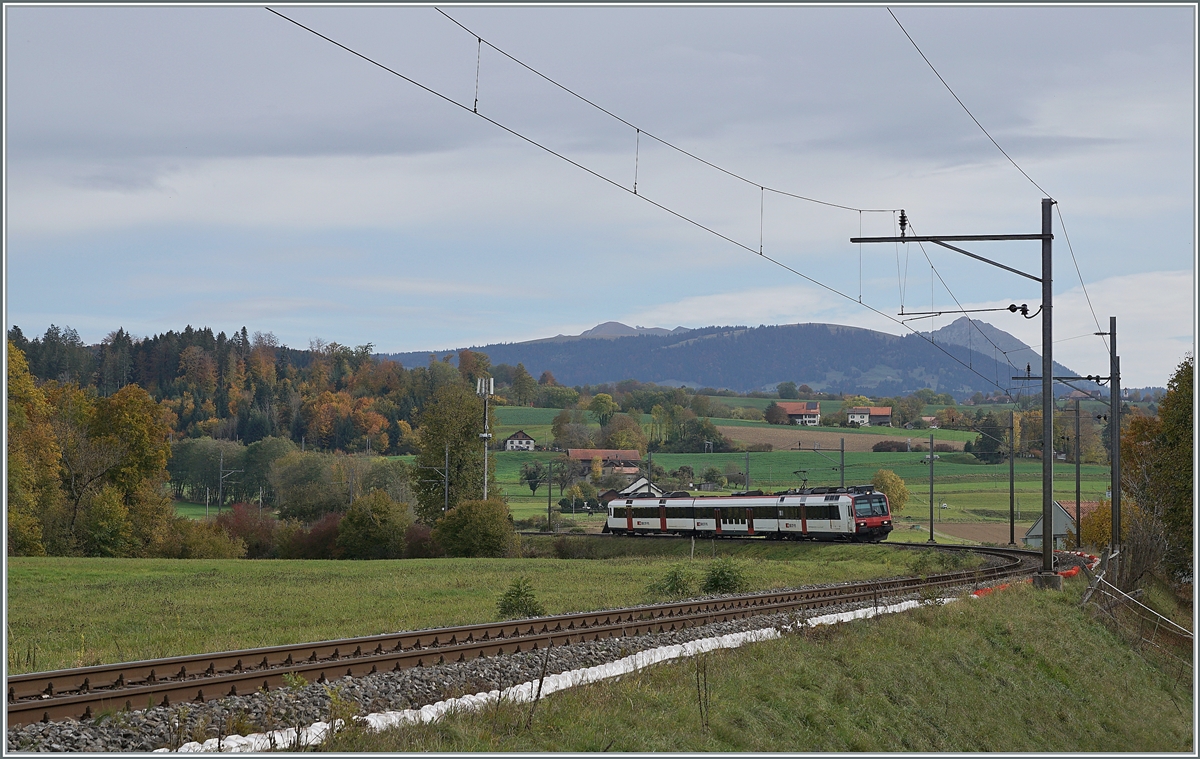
(1064, 524)
(518, 441)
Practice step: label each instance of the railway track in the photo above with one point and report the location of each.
(84, 692)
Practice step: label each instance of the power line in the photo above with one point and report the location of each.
(618, 185)
(964, 107)
(1014, 163)
(641, 131)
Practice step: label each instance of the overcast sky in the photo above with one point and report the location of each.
(223, 167)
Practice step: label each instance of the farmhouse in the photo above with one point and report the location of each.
(518, 441)
(612, 460)
(870, 416)
(807, 413)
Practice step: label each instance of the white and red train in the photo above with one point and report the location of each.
(857, 513)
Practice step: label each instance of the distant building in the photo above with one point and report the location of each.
(1064, 523)
(806, 413)
(870, 416)
(518, 441)
(612, 460)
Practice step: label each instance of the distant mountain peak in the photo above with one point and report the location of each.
(617, 329)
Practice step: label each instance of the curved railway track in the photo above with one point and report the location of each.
(83, 692)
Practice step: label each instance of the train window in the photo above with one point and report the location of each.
(871, 506)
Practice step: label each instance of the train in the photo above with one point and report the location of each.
(858, 513)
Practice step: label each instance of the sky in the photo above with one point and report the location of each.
(224, 167)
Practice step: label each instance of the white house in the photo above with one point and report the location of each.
(806, 413)
(870, 416)
(518, 441)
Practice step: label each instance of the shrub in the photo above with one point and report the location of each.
(316, 541)
(186, 539)
(419, 543)
(519, 601)
(678, 582)
(256, 528)
(723, 576)
(476, 529)
(373, 528)
(890, 446)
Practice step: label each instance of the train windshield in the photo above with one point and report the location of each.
(871, 506)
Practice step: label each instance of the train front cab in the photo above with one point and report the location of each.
(872, 517)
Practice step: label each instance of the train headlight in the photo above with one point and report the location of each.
(862, 524)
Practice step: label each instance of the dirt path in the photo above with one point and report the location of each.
(784, 438)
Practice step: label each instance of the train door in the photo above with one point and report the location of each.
(629, 516)
(717, 519)
(662, 514)
(749, 520)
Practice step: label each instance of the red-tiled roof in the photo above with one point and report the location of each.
(1085, 507)
(795, 408)
(872, 410)
(604, 454)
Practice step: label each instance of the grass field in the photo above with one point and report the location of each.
(976, 675)
(79, 612)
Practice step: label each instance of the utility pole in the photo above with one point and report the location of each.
(446, 481)
(842, 468)
(485, 388)
(1078, 522)
(747, 471)
(1012, 487)
(1046, 578)
(549, 492)
(931, 540)
(1114, 431)
(221, 475)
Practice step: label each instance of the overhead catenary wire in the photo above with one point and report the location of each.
(660, 206)
(1058, 206)
(654, 137)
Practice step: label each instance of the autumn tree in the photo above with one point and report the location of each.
(602, 408)
(547, 379)
(891, 485)
(450, 427)
(786, 390)
(33, 457)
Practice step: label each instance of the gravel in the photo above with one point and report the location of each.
(170, 727)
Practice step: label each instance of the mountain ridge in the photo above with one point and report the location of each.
(827, 357)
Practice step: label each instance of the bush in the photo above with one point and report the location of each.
(255, 528)
(316, 541)
(476, 529)
(186, 539)
(890, 446)
(678, 582)
(519, 601)
(724, 576)
(419, 543)
(373, 528)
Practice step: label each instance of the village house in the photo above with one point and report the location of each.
(870, 416)
(807, 413)
(518, 441)
(1063, 525)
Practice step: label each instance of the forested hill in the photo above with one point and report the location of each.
(826, 357)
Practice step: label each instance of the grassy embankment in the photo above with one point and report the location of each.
(78, 612)
(1020, 670)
